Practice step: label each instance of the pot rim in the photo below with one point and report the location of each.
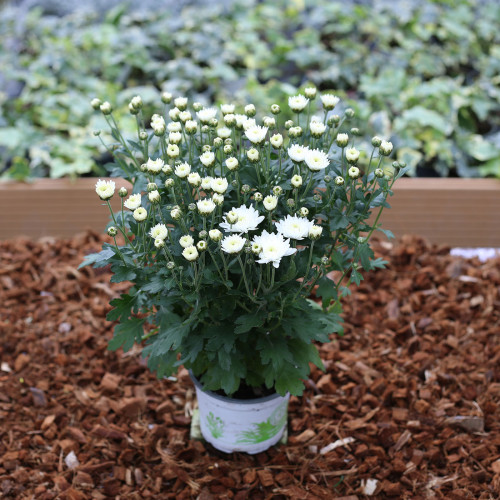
(227, 399)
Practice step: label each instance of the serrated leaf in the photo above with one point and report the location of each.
(126, 334)
(101, 258)
(248, 321)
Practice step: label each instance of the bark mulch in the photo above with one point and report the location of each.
(409, 405)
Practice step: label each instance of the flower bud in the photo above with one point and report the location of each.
(169, 183)
(256, 248)
(174, 114)
(352, 155)
(201, 245)
(206, 148)
(96, 103)
(288, 124)
(324, 260)
(192, 207)
(297, 181)
(218, 199)
(304, 212)
(181, 103)
(159, 243)
(232, 217)
(136, 102)
(342, 140)
(215, 235)
(310, 92)
(106, 108)
(143, 167)
(361, 239)
(349, 112)
(170, 265)
(154, 197)
(275, 109)
(205, 129)
(317, 197)
(402, 164)
(315, 232)
(327, 179)
(379, 173)
(194, 179)
(227, 109)
(376, 141)
(355, 131)
(253, 155)
(232, 163)
(234, 183)
(191, 127)
(197, 106)
(228, 149)
(132, 110)
(295, 131)
(173, 151)
(185, 116)
(143, 135)
(214, 123)
(112, 231)
(140, 214)
(230, 120)
(395, 164)
(250, 110)
(190, 253)
(258, 197)
(176, 213)
(269, 122)
(353, 172)
(97, 133)
(339, 181)
(245, 188)
(122, 192)
(218, 142)
(277, 190)
(385, 148)
(270, 202)
(290, 202)
(276, 141)
(166, 97)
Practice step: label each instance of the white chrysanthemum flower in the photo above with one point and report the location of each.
(240, 120)
(159, 231)
(274, 248)
(174, 127)
(329, 101)
(385, 148)
(223, 132)
(248, 220)
(294, 227)
(250, 122)
(353, 172)
(342, 140)
(253, 155)
(297, 103)
(310, 92)
(296, 181)
(215, 235)
(233, 243)
(205, 207)
(315, 232)
(230, 119)
(270, 202)
(256, 248)
(219, 185)
(206, 182)
(232, 163)
(173, 151)
(276, 141)
(317, 128)
(158, 124)
(256, 134)
(269, 121)
(182, 170)
(186, 241)
(174, 137)
(140, 214)
(316, 160)
(105, 189)
(154, 166)
(194, 179)
(207, 158)
(133, 201)
(297, 152)
(190, 253)
(206, 115)
(218, 199)
(227, 108)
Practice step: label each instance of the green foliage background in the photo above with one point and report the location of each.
(426, 75)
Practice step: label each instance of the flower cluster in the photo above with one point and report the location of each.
(233, 220)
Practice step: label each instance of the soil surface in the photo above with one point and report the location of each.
(409, 405)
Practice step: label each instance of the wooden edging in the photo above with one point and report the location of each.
(456, 212)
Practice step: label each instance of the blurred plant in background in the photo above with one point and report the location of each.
(432, 66)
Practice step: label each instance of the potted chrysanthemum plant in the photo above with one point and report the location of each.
(229, 228)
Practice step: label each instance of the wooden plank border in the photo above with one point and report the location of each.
(457, 212)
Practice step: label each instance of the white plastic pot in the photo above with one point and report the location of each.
(246, 425)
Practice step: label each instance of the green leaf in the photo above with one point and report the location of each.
(427, 118)
(122, 273)
(126, 334)
(99, 259)
(326, 290)
(123, 307)
(246, 322)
